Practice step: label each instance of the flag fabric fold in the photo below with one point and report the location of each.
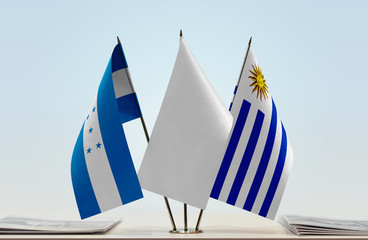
(258, 156)
(102, 170)
(188, 139)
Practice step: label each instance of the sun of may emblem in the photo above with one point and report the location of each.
(259, 83)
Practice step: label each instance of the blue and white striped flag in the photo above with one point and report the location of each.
(102, 169)
(258, 157)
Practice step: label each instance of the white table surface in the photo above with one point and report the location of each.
(215, 226)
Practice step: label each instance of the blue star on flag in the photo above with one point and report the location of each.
(98, 145)
(94, 109)
(89, 150)
(90, 130)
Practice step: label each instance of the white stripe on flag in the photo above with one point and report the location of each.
(282, 184)
(121, 82)
(270, 170)
(249, 177)
(235, 163)
(99, 170)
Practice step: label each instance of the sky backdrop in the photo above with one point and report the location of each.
(313, 55)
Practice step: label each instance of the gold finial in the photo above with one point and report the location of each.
(181, 33)
(118, 39)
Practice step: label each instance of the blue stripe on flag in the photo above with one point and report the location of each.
(129, 107)
(83, 191)
(236, 88)
(231, 104)
(247, 157)
(116, 146)
(118, 59)
(230, 151)
(276, 176)
(263, 162)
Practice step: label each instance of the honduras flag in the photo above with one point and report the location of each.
(102, 169)
(258, 157)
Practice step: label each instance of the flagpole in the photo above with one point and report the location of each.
(147, 138)
(199, 220)
(185, 205)
(241, 72)
(185, 218)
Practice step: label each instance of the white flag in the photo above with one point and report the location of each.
(258, 157)
(189, 137)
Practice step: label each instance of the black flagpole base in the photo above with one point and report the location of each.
(182, 231)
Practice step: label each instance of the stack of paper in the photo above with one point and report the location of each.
(321, 226)
(43, 226)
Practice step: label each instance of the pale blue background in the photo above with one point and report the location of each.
(313, 55)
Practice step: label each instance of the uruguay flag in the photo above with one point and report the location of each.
(258, 157)
(102, 169)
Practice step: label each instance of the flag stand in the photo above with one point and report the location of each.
(147, 138)
(186, 230)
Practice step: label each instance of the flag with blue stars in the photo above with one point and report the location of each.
(102, 169)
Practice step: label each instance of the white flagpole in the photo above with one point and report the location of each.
(147, 138)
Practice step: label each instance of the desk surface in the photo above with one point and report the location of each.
(217, 226)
